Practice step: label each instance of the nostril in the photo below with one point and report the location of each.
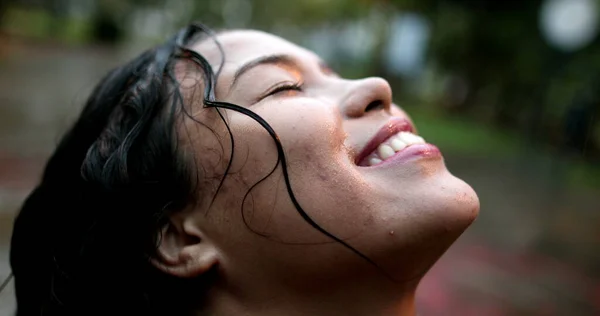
(375, 105)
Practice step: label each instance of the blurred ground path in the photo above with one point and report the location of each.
(534, 250)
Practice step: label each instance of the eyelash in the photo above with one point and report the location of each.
(297, 86)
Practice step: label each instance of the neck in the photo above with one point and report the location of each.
(382, 301)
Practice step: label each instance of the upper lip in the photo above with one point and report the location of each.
(391, 127)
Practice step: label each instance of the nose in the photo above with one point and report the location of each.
(365, 95)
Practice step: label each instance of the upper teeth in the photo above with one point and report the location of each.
(393, 145)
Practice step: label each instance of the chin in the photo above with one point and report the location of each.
(458, 207)
(448, 208)
(462, 200)
(441, 202)
(453, 206)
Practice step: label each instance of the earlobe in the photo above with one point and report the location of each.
(184, 253)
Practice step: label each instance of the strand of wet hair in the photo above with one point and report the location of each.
(184, 37)
(6, 282)
(182, 40)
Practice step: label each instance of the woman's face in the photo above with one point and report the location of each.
(402, 212)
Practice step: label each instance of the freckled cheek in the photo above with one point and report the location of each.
(305, 129)
(310, 134)
(305, 138)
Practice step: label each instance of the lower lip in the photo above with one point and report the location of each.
(413, 152)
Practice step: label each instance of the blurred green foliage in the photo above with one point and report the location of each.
(42, 25)
(513, 79)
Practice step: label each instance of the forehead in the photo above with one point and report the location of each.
(243, 46)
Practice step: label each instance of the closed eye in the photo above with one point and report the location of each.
(289, 87)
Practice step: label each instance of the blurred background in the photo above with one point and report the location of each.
(509, 90)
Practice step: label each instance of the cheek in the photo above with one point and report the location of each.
(310, 132)
(318, 169)
(323, 177)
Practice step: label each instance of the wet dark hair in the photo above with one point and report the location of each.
(82, 241)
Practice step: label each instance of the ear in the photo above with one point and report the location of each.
(184, 251)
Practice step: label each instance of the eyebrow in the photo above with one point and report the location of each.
(265, 60)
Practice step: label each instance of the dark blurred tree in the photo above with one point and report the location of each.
(498, 45)
(107, 27)
(3, 6)
(490, 43)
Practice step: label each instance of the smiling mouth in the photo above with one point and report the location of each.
(390, 147)
(397, 135)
